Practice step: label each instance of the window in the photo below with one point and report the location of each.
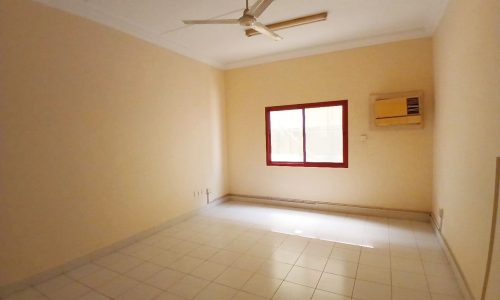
(307, 135)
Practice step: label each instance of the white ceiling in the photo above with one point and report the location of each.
(350, 24)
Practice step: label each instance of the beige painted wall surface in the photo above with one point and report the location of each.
(467, 132)
(393, 169)
(101, 136)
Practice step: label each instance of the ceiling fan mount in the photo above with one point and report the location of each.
(254, 27)
(247, 20)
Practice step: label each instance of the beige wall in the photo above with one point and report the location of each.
(393, 169)
(101, 136)
(467, 131)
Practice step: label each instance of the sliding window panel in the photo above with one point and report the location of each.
(286, 136)
(324, 139)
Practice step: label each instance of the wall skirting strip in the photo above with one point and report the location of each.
(45, 275)
(462, 283)
(334, 207)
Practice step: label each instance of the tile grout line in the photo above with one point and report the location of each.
(293, 265)
(323, 271)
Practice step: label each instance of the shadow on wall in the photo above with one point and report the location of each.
(491, 290)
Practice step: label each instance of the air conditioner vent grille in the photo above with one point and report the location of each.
(412, 106)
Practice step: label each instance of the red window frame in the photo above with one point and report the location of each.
(303, 106)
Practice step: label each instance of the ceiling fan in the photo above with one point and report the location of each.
(249, 20)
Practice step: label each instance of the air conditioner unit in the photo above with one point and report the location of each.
(398, 110)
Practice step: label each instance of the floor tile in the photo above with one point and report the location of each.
(26, 294)
(374, 274)
(319, 249)
(208, 270)
(234, 277)
(165, 258)
(151, 240)
(133, 248)
(184, 247)
(341, 267)
(117, 286)
(247, 296)
(165, 243)
(304, 276)
(294, 244)
(239, 245)
(443, 285)
(98, 278)
(407, 265)
(275, 269)
(140, 292)
(406, 252)
(225, 257)
(73, 290)
(437, 269)
(285, 256)
(118, 262)
(263, 286)
(324, 295)
(203, 252)
(312, 262)
(216, 292)
(141, 251)
(336, 284)
(261, 250)
(292, 291)
(83, 271)
(345, 254)
(144, 271)
(433, 255)
(186, 264)
(168, 296)
(382, 250)
(365, 290)
(399, 293)
(53, 284)
(381, 261)
(347, 245)
(435, 296)
(93, 295)
(164, 279)
(409, 280)
(248, 262)
(188, 287)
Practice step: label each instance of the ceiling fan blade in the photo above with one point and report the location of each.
(266, 31)
(259, 7)
(291, 23)
(215, 21)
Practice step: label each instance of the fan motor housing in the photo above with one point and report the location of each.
(247, 20)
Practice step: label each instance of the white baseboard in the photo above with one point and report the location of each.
(462, 283)
(335, 207)
(45, 275)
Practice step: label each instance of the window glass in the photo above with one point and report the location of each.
(286, 136)
(323, 131)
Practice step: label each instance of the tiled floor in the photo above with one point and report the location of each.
(243, 251)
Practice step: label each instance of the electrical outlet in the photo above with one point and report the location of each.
(441, 213)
